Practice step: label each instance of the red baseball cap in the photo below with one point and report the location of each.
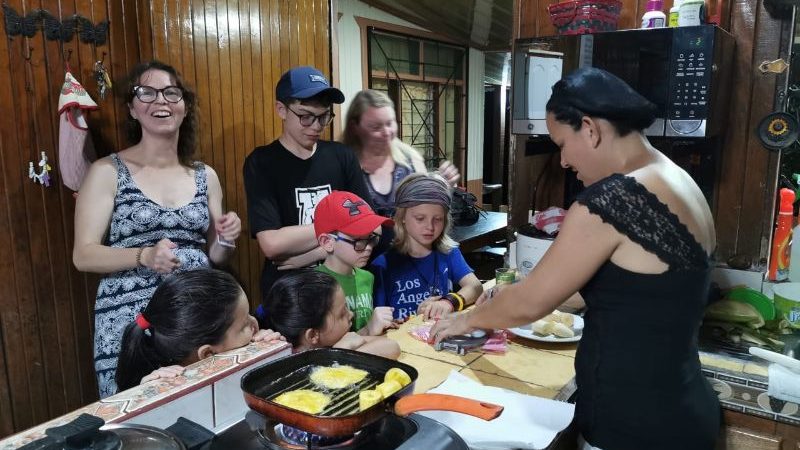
(348, 213)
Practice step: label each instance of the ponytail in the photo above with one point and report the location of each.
(188, 310)
(137, 357)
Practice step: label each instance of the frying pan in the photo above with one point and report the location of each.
(343, 416)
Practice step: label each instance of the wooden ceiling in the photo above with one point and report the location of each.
(482, 24)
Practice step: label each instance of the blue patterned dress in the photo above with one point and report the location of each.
(138, 221)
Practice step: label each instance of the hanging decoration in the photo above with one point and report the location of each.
(75, 149)
(54, 29)
(43, 176)
(101, 77)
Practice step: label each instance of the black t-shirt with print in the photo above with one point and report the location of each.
(284, 190)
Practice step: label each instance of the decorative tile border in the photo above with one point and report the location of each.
(143, 398)
(748, 394)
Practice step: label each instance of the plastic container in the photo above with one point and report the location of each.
(759, 301)
(585, 16)
(779, 258)
(654, 17)
(672, 20)
(787, 302)
(692, 13)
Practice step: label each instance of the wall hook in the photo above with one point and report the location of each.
(27, 56)
(68, 55)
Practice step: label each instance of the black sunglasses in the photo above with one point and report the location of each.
(360, 245)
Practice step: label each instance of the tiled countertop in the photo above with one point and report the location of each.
(742, 387)
(207, 392)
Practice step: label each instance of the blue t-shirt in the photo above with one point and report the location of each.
(403, 282)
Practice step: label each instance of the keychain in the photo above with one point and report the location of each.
(43, 177)
(102, 78)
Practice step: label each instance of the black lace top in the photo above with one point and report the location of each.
(637, 366)
(637, 213)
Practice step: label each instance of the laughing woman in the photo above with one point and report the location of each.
(148, 211)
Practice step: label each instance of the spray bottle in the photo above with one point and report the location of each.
(782, 239)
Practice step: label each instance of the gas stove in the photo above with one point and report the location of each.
(391, 432)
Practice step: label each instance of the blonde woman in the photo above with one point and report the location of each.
(371, 131)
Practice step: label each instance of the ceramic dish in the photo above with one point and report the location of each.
(527, 333)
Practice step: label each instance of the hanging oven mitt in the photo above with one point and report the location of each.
(75, 149)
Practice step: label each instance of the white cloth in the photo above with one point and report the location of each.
(527, 422)
(783, 384)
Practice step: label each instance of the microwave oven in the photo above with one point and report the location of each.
(684, 71)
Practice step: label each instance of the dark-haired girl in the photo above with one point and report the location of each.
(191, 316)
(308, 308)
(148, 210)
(637, 245)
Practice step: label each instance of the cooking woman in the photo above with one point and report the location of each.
(636, 244)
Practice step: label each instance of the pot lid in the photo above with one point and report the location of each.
(143, 437)
(88, 431)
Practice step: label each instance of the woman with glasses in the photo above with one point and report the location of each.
(148, 211)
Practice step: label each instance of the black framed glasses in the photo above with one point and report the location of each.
(148, 94)
(360, 245)
(307, 120)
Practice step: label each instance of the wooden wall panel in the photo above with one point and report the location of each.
(232, 53)
(745, 198)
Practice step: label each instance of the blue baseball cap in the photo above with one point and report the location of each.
(305, 82)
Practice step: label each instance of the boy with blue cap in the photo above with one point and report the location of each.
(286, 179)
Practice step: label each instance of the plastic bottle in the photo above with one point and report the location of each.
(674, 13)
(794, 269)
(654, 17)
(692, 13)
(779, 258)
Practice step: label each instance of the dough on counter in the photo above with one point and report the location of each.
(336, 377)
(305, 400)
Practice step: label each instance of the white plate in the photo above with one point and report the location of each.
(527, 333)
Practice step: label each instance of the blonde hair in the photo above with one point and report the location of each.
(368, 98)
(411, 185)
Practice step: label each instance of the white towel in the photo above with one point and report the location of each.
(527, 422)
(783, 383)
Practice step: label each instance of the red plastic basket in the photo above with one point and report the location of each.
(585, 16)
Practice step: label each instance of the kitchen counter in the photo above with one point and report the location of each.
(528, 367)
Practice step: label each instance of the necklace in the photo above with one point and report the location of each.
(433, 288)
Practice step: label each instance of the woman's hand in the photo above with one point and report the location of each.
(381, 320)
(163, 372)
(350, 341)
(160, 257)
(449, 172)
(434, 308)
(452, 325)
(229, 226)
(267, 335)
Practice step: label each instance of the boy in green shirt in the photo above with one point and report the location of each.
(348, 229)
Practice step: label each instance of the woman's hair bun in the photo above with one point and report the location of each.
(597, 93)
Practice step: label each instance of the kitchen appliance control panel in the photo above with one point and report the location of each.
(692, 65)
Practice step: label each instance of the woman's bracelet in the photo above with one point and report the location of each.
(139, 257)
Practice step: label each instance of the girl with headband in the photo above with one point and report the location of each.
(424, 272)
